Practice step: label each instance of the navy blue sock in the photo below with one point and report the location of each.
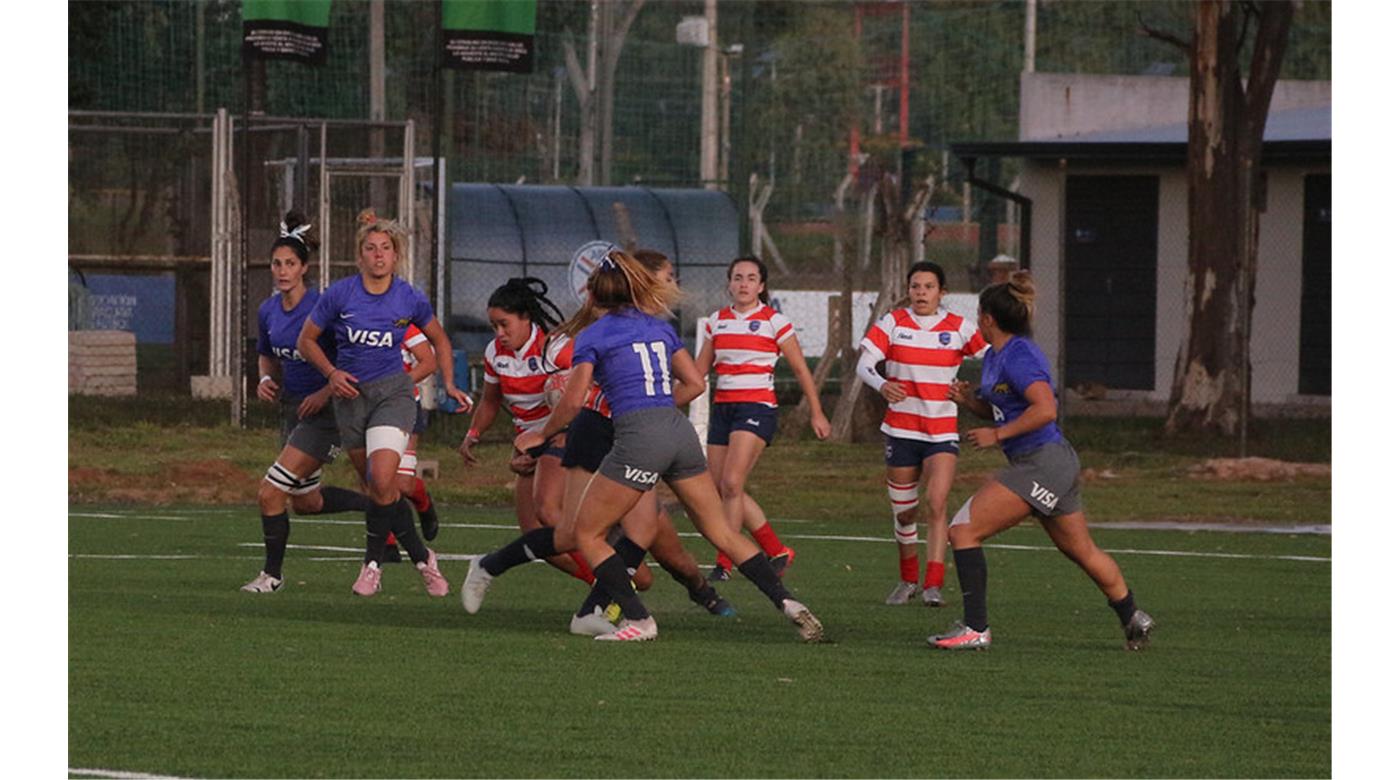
(612, 575)
(379, 521)
(407, 533)
(337, 499)
(972, 579)
(276, 530)
(760, 572)
(1124, 607)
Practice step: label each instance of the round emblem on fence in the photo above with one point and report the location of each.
(586, 258)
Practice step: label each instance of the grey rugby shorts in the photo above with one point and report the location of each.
(387, 400)
(317, 435)
(1047, 478)
(651, 444)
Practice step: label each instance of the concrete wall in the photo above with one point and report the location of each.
(1055, 105)
(1278, 291)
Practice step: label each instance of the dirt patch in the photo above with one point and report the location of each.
(192, 482)
(1257, 470)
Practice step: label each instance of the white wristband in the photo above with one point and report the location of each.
(265, 378)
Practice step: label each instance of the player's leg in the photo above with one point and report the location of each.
(938, 472)
(413, 487)
(604, 503)
(547, 497)
(672, 556)
(993, 509)
(716, 453)
(1070, 533)
(902, 484)
(390, 511)
(284, 478)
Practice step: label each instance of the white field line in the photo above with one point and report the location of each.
(120, 775)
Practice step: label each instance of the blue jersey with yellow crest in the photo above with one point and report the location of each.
(369, 329)
(1005, 376)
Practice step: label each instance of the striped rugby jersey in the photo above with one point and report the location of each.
(925, 360)
(746, 350)
(411, 338)
(521, 375)
(562, 360)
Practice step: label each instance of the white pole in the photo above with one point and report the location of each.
(1029, 66)
(709, 99)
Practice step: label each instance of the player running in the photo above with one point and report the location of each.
(922, 346)
(742, 343)
(1042, 479)
(634, 355)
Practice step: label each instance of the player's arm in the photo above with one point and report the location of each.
(340, 380)
(706, 359)
(433, 330)
(426, 361)
(690, 382)
(482, 417)
(793, 352)
(890, 390)
(1041, 412)
(268, 368)
(962, 394)
(570, 404)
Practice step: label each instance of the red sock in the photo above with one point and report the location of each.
(768, 539)
(909, 568)
(933, 575)
(585, 572)
(388, 540)
(723, 562)
(419, 496)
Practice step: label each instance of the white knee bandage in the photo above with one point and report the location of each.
(386, 437)
(906, 534)
(310, 484)
(902, 497)
(287, 482)
(963, 516)
(408, 464)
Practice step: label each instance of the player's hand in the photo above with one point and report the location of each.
(314, 403)
(522, 464)
(468, 457)
(820, 425)
(268, 390)
(960, 392)
(893, 391)
(528, 441)
(983, 438)
(464, 401)
(342, 383)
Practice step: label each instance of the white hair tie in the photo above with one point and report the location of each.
(298, 232)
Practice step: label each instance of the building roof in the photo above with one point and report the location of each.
(1295, 134)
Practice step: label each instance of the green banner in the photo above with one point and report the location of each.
(489, 35)
(286, 29)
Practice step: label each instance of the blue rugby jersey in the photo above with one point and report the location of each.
(1005, 377)
(369, 329)
(631, 356)
(277, 338)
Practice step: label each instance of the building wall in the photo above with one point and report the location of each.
(1278, 288)
(1056, 105)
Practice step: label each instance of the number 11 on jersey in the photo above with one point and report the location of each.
(648, 372)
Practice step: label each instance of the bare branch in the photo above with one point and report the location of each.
(576, 74)
(1162, 35)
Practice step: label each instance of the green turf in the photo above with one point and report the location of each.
(172, 671)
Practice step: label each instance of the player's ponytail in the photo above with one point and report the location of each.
(1011, 304)
(294, 232)
(527, 297)
(622, 280)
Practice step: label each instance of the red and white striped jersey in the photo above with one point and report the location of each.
(924, 358)
(411, 338)
(746, 350)
(562, 360)
(521, 375)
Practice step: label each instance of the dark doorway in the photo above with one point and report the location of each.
(1315, 320)
(1111, 281)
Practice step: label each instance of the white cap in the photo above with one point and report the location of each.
(1004, 260)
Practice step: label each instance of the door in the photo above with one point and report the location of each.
(1315, 320)
(1111, 281)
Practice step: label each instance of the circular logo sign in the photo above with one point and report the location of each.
(586, 259)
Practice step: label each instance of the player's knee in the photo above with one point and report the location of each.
(271, 499)
(731, 486)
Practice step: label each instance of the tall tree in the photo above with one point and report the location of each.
(1225, 142)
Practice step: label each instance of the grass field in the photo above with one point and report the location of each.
(173, 671)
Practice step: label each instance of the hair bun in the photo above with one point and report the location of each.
(367, 217)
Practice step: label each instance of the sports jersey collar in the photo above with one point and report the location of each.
(939, 315)
(529, 342)
(738, 315)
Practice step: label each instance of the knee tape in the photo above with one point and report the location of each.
(964, 515)
(284, 480)
(906, 534)
(386, 437)
(408, 464)
(902, 497)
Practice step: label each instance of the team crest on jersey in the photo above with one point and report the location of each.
(402, 322)
(945, 338)
(533, 363)
(1001, 388)
(754, 326)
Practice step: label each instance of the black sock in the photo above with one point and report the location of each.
(379, 521)
(632, 555)
(336, 499)
(538, 543)
(760, 572)
(972, 579)
(276, 529)
(705, 595)
(597, 599)
(1125, 607)
(406, 533)
(612, 575)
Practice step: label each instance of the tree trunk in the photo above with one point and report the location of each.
(614, 25)
(1210, 391)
